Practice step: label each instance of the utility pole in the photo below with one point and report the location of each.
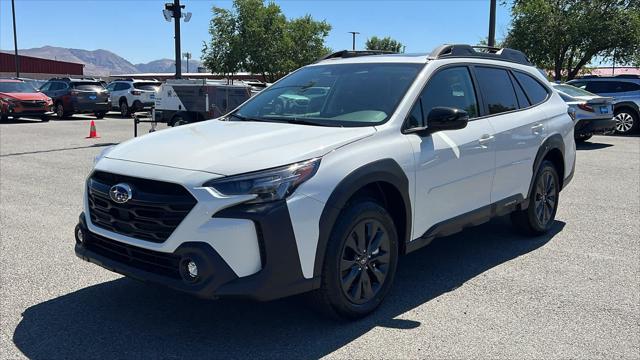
(174, 10)
(354, 33)
(15, 37)
(491, 41)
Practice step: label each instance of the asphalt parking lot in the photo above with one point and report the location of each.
(483, 293)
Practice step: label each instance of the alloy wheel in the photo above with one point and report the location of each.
(60, 111)
(545, 199)
(124, 109)
(365, 260)
(624, 122)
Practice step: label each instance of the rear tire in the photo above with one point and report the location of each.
(539, 216)
(360, 261)
(626, 121)
(125, 111)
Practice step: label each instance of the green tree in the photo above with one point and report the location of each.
(223, 53)
(566, 35)
(384, 44)
(258, 38)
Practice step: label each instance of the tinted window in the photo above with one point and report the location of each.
(334, 95)
(611, 86)
(121, 86)
(45, 87)
(534, 90)
(453, 88)
(111, 86)
(497, 90)
(88, 86)
(57, 86)
(152, 86)
(523, 101)
(416, 118)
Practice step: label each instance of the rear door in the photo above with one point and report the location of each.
(510, 99)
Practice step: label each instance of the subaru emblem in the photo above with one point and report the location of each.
(120, 193)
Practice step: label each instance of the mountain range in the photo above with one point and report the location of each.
(104, 63)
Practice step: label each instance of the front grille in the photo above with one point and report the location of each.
(154, 211)
(33, 104)
(156, 262)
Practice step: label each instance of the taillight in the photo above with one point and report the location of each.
(136, 92)
(585, 107)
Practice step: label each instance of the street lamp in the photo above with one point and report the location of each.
(174, 11)
(15, 38)
(353, 33)
(187, 56)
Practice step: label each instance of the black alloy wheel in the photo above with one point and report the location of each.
(365, 261)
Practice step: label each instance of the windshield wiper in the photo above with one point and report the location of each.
(242, 118)
(300, 121)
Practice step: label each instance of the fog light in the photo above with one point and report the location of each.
(79, 234)
(192, 269)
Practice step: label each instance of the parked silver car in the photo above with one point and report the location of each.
(625, 91)
(593, 113)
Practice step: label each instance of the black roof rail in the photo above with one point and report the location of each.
(342, 54)
(477, 51)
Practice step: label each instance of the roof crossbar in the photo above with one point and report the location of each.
(484, 52)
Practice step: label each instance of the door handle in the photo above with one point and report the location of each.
(485, 139)
(536, 129)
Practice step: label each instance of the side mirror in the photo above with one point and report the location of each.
(443, 118)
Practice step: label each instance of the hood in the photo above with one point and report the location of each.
(26, 96)
(235, 147)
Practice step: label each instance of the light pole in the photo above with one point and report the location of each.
(174, 10)
(15, 37)
(187, 56)
(491, 41)
(354, 33)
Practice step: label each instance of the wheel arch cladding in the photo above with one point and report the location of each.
(385, 181)
(552, 149)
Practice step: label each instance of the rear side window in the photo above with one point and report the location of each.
(497, 89)
(121, 86)
(611, 86)
(534, 90)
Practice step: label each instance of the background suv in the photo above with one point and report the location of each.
(19, 98)
(324, 196)
(77, 96)
(625, 91)
(132, 95)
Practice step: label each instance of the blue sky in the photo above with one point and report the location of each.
(136, 30)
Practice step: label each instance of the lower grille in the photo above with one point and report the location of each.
(147, 260)
(35, 104)
(154, 211)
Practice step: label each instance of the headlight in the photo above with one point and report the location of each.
(268, 185)
(9, 100)
(102, 154)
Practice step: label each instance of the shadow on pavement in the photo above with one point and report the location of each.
(589, 145)
(127, 319)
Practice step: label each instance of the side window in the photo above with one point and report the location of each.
(451, 87)
(119, 86)
(497, 90)
(45, 87)
(523, 101)
(629, 86)
(534, 90)
(56, 86)
(111, 86)
(606, 87)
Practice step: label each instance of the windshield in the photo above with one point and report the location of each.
(16, 87)
(573, 91)
(333, 95)
(152, 86)
(88, 86)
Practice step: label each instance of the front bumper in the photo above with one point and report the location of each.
(280, 276)
(586, 127)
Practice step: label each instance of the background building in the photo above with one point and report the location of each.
(37, 68)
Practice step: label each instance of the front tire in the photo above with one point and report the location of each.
(539, 216)
(125, 112)
(360, 261)
(60, 114)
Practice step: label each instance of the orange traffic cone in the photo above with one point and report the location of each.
(93, 134)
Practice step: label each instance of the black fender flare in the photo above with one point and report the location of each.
(627, 104)
(384, 170)
(554, 141)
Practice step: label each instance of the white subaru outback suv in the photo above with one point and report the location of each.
(131, 95)
(321, 181)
